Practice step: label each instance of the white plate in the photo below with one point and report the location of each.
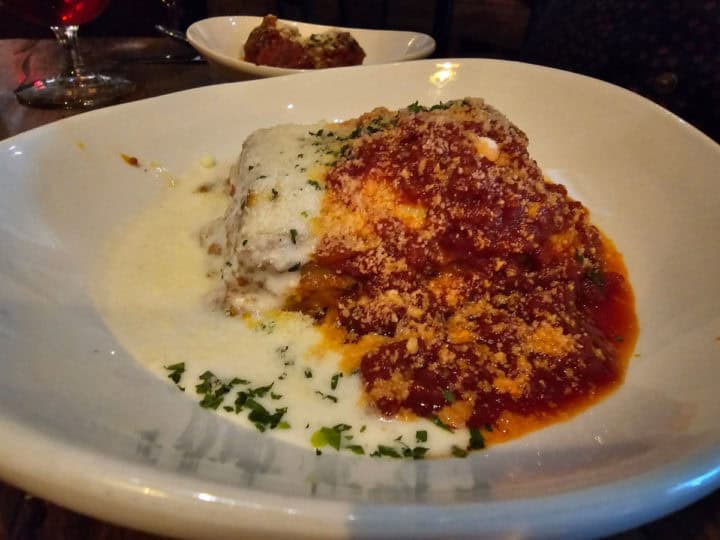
(221, 41)
(83, 425)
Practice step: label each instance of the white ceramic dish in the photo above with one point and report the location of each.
(221, 39)
(85, 426)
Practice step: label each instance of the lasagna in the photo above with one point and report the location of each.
(459, 283)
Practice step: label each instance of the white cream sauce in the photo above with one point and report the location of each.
(153, 291)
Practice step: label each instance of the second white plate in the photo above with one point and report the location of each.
(221, 40)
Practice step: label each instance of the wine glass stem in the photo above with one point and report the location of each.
(67, 37)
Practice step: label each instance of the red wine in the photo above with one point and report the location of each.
(57, 12)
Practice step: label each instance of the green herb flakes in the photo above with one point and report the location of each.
(326, 436)
(213, 390)
(329, 397)
(477, 442)
(439, 423)
(388, 451)
(421, 436)
(176, 371)
(414, 107)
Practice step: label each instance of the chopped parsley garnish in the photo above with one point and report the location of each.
(176, 371)
(214, 390)
(293, 236)
(414, 107)
(449, 396)
(318, 133)
(388, 451)
(294, 267)
(405, 452)
(308, 373)
(421, 436)
(315, 184)
(458, 452)
(477, 442)
(333, 436)
(363, 428)
(334, 380)
(275, 194)
(488, 427)
(418, 452)
(329, 397)
(245, 395)
(244, 242)
(261, 417)
(326, 436)
(304, 214)
(439, 423)
(273, 395)
(441, 105)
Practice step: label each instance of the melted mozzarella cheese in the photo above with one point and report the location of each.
(152, 288)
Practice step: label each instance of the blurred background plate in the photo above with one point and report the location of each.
(221, 41)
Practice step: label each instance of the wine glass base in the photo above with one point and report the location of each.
(83, 91)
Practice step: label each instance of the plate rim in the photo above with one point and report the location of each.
(123, 482)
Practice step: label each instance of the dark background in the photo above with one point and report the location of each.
(666, 50)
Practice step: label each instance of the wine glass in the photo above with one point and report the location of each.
(75, 87)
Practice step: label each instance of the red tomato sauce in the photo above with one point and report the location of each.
(492, 300)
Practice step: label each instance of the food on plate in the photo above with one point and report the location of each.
(456, 281)
(279, 44)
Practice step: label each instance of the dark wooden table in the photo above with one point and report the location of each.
(24, 517)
